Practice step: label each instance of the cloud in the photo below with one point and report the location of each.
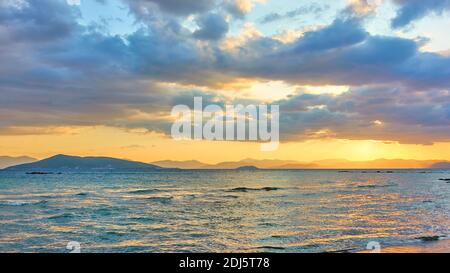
(176, 7)
(29, 21)
(364, 7)
(238, 8)
(66, 74)
(312, 8)
(74, 2)
(212, 27)
(342, 54)
(374, 112)
(133, 147)
(340, 34)
(411, 10)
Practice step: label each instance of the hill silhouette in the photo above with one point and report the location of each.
(8, 161)
(75, 163)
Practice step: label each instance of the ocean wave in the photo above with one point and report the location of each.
(430, 238)
(161, 199)
(271, 247)
(104, 211)
(22, 203)
(373, 186)
(245, 189)
(62, 216)
(143, 219)
(81, 194)
(231, 196)
(143, 191)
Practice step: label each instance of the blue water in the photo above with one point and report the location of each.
(222, 211)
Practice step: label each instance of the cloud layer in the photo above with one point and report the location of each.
(58, 72)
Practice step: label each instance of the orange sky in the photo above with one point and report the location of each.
(353, 80)
(148, 147)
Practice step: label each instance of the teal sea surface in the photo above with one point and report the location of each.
(223, 210)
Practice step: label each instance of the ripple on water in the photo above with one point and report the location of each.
(22, 203)
(143, 191)
(82, 194)
(161, 199)
(62, 217)
(267, 211)
(245, 189)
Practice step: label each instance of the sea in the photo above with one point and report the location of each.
(189, 211)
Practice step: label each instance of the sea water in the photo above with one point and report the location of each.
(222, 210)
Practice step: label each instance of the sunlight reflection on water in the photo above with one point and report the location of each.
(199, 211)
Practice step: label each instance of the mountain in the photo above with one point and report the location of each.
(189, 164)
(83, 164)
(441, 165)
(61, 163)
(261, 164)
(376, 164)
(8, 161)
(319, 164)
(248, 168)
(294, 166)
(231, 165)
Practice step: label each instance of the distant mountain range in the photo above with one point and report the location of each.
(188, 164)
(441, 165)
(62, 163)
(261, 164)
(8, 161)
(320, 164)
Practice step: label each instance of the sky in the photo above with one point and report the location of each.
(354, 79)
